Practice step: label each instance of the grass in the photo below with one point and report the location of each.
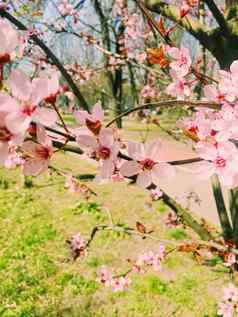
(38, 278)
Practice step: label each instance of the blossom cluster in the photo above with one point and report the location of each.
(144, 261)
(27, 106)
(229, 305)
(77, 246)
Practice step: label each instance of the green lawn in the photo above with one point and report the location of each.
(38, 278)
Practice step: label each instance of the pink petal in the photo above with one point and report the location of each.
(206, 151)
(234, 67)
(45, 116)
(227, 150)
(106, 137)
(53, 83)
(97, 112)
(29, 148)
(210, 92)
(174, 52)
(130, 168)
(107, 169)
(86, 141)
(39, 90)
(153, 150)
(20, 85)
(17, 122)
(7, 103)
(136, 151)
(144, 179)
(33, 167)
(205, 170)
(81, 116)
(162, 170)
(42, 136)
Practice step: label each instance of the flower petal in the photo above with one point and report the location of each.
(130, 168)
(144, 179)
(162, 170)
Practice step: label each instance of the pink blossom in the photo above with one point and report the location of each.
(149, 92)
(104, 276)
(200, 125)
(179, 87)
(156, 193)
(9, 40)
(120, 283)
(182, 61)
(212, 93)
(65, 8)
(228, 82)
(225, 310)
(171, 220)
(37, 155)
(231, 293)
(14, 158)
(7, 138)
(146, 164)
(77, 246)
(72, 184)
(131, 24)
(102, 148)
(228, 307)
(220, 159)
(150, 259)
(29, 94)
(230, 259)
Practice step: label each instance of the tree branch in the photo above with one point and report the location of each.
(198, 30)
(218, 16)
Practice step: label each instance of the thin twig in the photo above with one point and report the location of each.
(168, 103)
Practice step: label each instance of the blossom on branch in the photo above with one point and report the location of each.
(146, 163)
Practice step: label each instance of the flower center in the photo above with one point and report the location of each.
(51, 98)
(28, 110)
(183, 61)
(43, 152)
(104, 152)
(220, 162)
(213, 132)
(5, 135)
(193, 129)
(147, 164)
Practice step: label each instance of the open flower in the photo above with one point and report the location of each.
(120, 284)
(77, 246)
(29, 94)
(146, 164)
(37, 155)
(179, 87)
(220, 159)
(182, 60)
(104, 276)
(103, 148)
